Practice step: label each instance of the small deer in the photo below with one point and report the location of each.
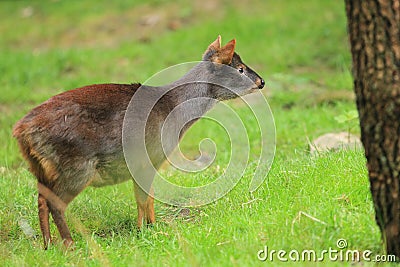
(74, 139)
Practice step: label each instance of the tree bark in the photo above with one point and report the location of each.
(374, 33)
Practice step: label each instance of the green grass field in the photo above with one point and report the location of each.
(306, 202)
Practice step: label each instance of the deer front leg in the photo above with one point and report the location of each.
(145, 206)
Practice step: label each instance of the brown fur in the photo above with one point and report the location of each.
(74, 139)
(66, 142)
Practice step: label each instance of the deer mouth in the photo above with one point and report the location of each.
(256, 87)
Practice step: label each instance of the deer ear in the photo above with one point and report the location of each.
(216, 44)
(212, 48)
(225, 54)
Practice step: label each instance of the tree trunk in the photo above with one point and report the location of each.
(374, 31)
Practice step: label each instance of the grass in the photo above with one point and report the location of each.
(299, 47)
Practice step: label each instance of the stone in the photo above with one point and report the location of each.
(335, 142)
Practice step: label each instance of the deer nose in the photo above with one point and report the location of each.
(262, 83)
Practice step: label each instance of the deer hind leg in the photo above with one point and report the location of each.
(59, 220)
(44, 193)
(145, 206)
(63, 194)
(56, 206)
(57, 212)
(44, 220)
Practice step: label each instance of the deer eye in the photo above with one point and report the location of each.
(241, 70)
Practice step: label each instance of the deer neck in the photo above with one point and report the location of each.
(190, 96)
